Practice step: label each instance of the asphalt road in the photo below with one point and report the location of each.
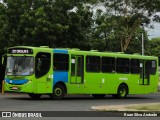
(22, 102)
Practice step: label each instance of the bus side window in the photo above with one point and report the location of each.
(108, 65)
(122, 65)
(60, 62)
(93, 64)
(39, 64)
(135, 66)
(153, 66)
(73, 60)
(42, 65)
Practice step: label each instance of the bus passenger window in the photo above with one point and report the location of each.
(73, 67)
(153, 67)
(61, 62)
(122, 65)
(108, 65)
(93, 64)
(42, 65)
(135, 64)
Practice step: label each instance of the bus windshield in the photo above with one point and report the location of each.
(20, 65)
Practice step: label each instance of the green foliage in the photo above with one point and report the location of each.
(56, 23)
(127, 16)
(154, 47)
(72, 23)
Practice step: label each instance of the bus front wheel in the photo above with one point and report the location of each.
(58, 92)
(34, 96)
(122, 92)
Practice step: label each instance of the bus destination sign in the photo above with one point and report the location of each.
(20, 51)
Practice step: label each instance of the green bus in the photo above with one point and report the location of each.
(60, 71)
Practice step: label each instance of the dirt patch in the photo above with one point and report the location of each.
(132, 107)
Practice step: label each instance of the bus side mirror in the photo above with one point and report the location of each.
(4, 60)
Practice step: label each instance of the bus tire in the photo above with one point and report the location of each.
(122, 92)
(34, 96)
(58, 92)
(98, 96)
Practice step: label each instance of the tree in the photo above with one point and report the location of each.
(70, 23)
(136, 42)
(154, 47)
(55, 23)
(128, 16)
(102, 34)
(3, 25)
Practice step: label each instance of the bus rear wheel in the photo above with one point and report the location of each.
(58, 92)
(34, 96)
(122, 92)
(98, 96)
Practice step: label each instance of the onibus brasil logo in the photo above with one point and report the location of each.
(21, 114)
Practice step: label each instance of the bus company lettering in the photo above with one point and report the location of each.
(123, 78)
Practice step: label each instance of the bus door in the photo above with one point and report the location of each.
(144, 72)
(77, 69)
(42, 68)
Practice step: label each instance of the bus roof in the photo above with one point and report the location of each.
(115, 54)
(91, 52)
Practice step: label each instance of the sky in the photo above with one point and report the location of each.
(152, 33)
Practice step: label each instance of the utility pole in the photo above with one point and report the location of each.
(142, 44)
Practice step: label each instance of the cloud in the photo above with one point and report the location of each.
(154, 32)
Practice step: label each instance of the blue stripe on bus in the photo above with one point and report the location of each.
(61, 51)
(60, 76)
(16, 82)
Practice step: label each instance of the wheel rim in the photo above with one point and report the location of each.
(58, 92)
(122, 92)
